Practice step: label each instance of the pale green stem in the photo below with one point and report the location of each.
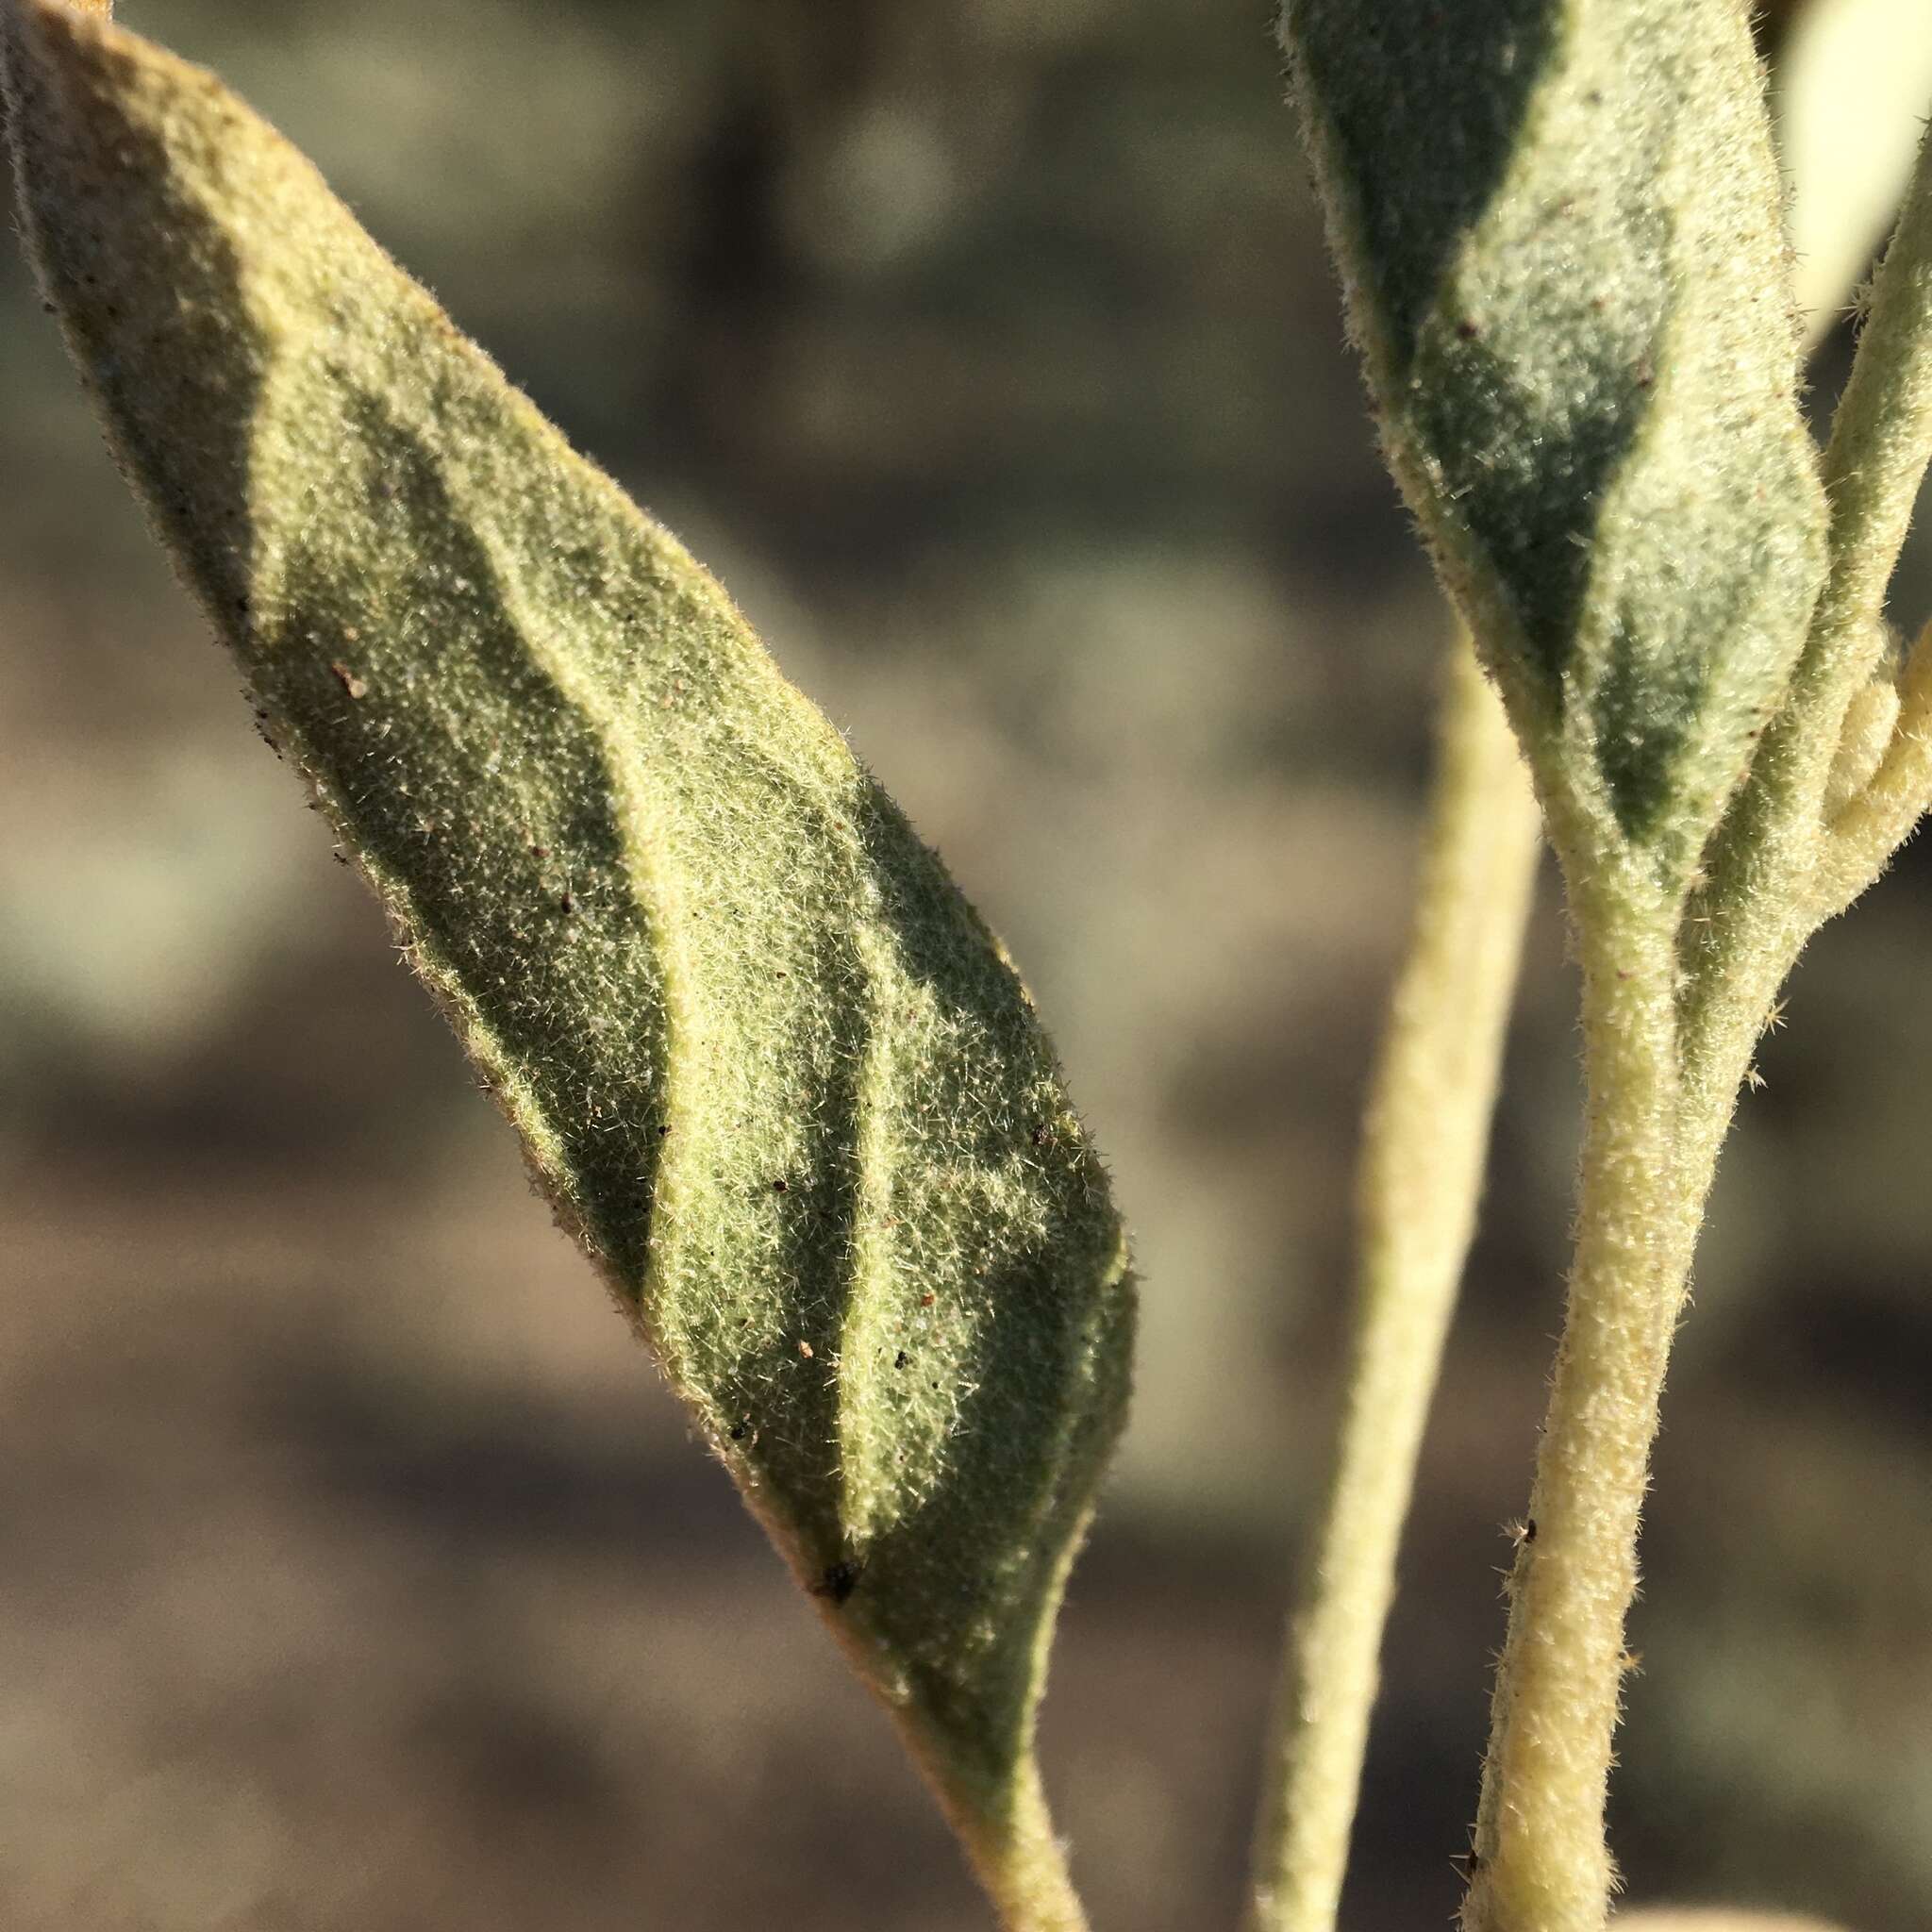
(1662, 1095)
(1420, 1173)
(1771, 862)
(1881, 434)
(1864, 744)
(1539, 1862)
(1411, 1250)
(1026, 1870)
(1005, 1828)
(1875, 821)
(1006, 1833)
(1652, 1139)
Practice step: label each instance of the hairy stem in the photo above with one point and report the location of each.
(1872, 823)
(1540, 1866)
(1420, 1173)
(1662, 1087)
(1539, 1862)
(1881, 435)
(1025, 1869)
(1773, 876)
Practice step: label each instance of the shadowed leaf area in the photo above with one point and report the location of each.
(1573, 303)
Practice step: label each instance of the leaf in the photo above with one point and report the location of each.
(772, 1070)
(1558, 224)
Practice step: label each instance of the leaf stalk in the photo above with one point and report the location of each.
(1424, 1143)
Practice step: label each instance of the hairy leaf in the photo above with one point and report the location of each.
(1559, 221)
(769, 1067)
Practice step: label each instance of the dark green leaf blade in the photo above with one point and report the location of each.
(771, 1068)
(1560, 227)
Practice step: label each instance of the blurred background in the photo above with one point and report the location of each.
(355, 1569)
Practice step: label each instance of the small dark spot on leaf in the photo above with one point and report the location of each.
(900, 1359)
(568, 903)
(1529, 1529)
(1468, 330)
(840, 1580)
(781, 1187)
(926, 1300)
(663, 1128)
(740, 1428)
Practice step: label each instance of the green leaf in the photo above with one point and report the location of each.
(1559, 226)
(769, 1067)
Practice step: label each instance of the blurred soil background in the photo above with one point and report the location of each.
(355, 1569)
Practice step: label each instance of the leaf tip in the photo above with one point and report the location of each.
(52, 77)
(37, 16)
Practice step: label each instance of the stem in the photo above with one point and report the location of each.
(1655, 1124)
(1006, 1833)
(1421, 1173)
(1664, 1066)
(1662, 1087)
(1749, 927)
(1540, 1863)
(1026, 1870)
(1871, 825)
(1881, 434)
(1002, 1822)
